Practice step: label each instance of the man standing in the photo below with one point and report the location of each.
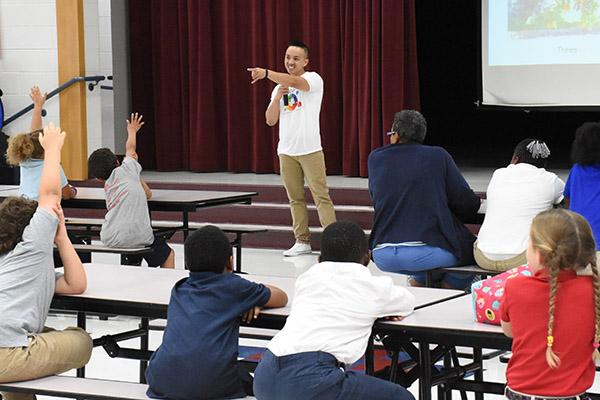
(296, 105)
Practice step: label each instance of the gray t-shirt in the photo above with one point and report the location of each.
(27, 281)
(127, 221)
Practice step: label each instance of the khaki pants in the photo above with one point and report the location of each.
(49, 353)
(498, 265)
(293, 171)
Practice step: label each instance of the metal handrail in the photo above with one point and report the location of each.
(96, 79)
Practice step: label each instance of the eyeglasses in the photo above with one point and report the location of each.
(391, 133)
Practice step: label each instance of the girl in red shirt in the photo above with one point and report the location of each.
(554, 315)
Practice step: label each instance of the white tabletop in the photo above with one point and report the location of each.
(149, 285)
(165, 195)
(153, 286)
(456, 314)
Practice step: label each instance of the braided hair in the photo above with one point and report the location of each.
(565, 241)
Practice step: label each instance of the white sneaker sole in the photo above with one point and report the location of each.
(296, 253)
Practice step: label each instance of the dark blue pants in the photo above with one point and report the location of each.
(318, 376)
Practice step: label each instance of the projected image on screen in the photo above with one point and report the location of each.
(541, 52)
(544, 32)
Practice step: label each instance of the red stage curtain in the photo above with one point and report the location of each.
(189, 78)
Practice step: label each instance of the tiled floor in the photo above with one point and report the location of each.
(256, 261)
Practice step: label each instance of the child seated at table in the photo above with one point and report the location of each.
(515, 195)
(554, 316)
(127, 221)
(26, 151)
(335, 305)
(198, 355)
(28, 231)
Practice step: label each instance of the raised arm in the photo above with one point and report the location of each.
(284, 79)
(38, 102)
(133, 127)
(74, 281)
(52, 140)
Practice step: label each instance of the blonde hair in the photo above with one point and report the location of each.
(24, 146)
(565, 241)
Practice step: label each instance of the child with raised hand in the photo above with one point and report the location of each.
(198, 355)
(28, 281)
(26, 151)
(582, 191)
(127, 221)
(554, 315)
(335, 305)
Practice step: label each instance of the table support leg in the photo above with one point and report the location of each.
(186, 225)
(478, 374)
(238, 252)
(81, 322)
(144, 346)
(425, 363)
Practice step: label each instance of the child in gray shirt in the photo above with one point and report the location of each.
(127, 221)
(28, 228)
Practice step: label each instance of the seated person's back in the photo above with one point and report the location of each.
(515, 195)
(421, 202)
(198, 355)
(582, 191)
(335, 305)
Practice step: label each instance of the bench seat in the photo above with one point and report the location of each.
(99, 248)
(88, 388)
(92, 224)
(72, 387)
(459, 269)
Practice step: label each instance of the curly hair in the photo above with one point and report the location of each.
(585, 149)
(15, 214)
(410, 125)
(344, 241)
(101, 163)
(24, 146)
(207, 250)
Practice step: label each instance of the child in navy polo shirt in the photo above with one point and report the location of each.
(198, 356)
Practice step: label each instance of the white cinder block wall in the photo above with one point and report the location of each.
(28, 56)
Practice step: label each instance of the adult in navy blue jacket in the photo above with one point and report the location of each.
(420, 200)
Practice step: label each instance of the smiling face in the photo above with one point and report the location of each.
(295, 60)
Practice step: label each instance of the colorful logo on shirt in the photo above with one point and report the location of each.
(293, 100)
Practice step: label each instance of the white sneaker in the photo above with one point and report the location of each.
(298, 249)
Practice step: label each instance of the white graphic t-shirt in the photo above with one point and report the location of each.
(299, 132)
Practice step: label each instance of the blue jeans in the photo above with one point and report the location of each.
(413, 260)
(318, 376)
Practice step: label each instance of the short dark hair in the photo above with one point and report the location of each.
(15, 214)
(101, 163)
(526, 152)
(207, 250)
(298, 43)
(344, 241)
(410, 125)
(586, 146)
